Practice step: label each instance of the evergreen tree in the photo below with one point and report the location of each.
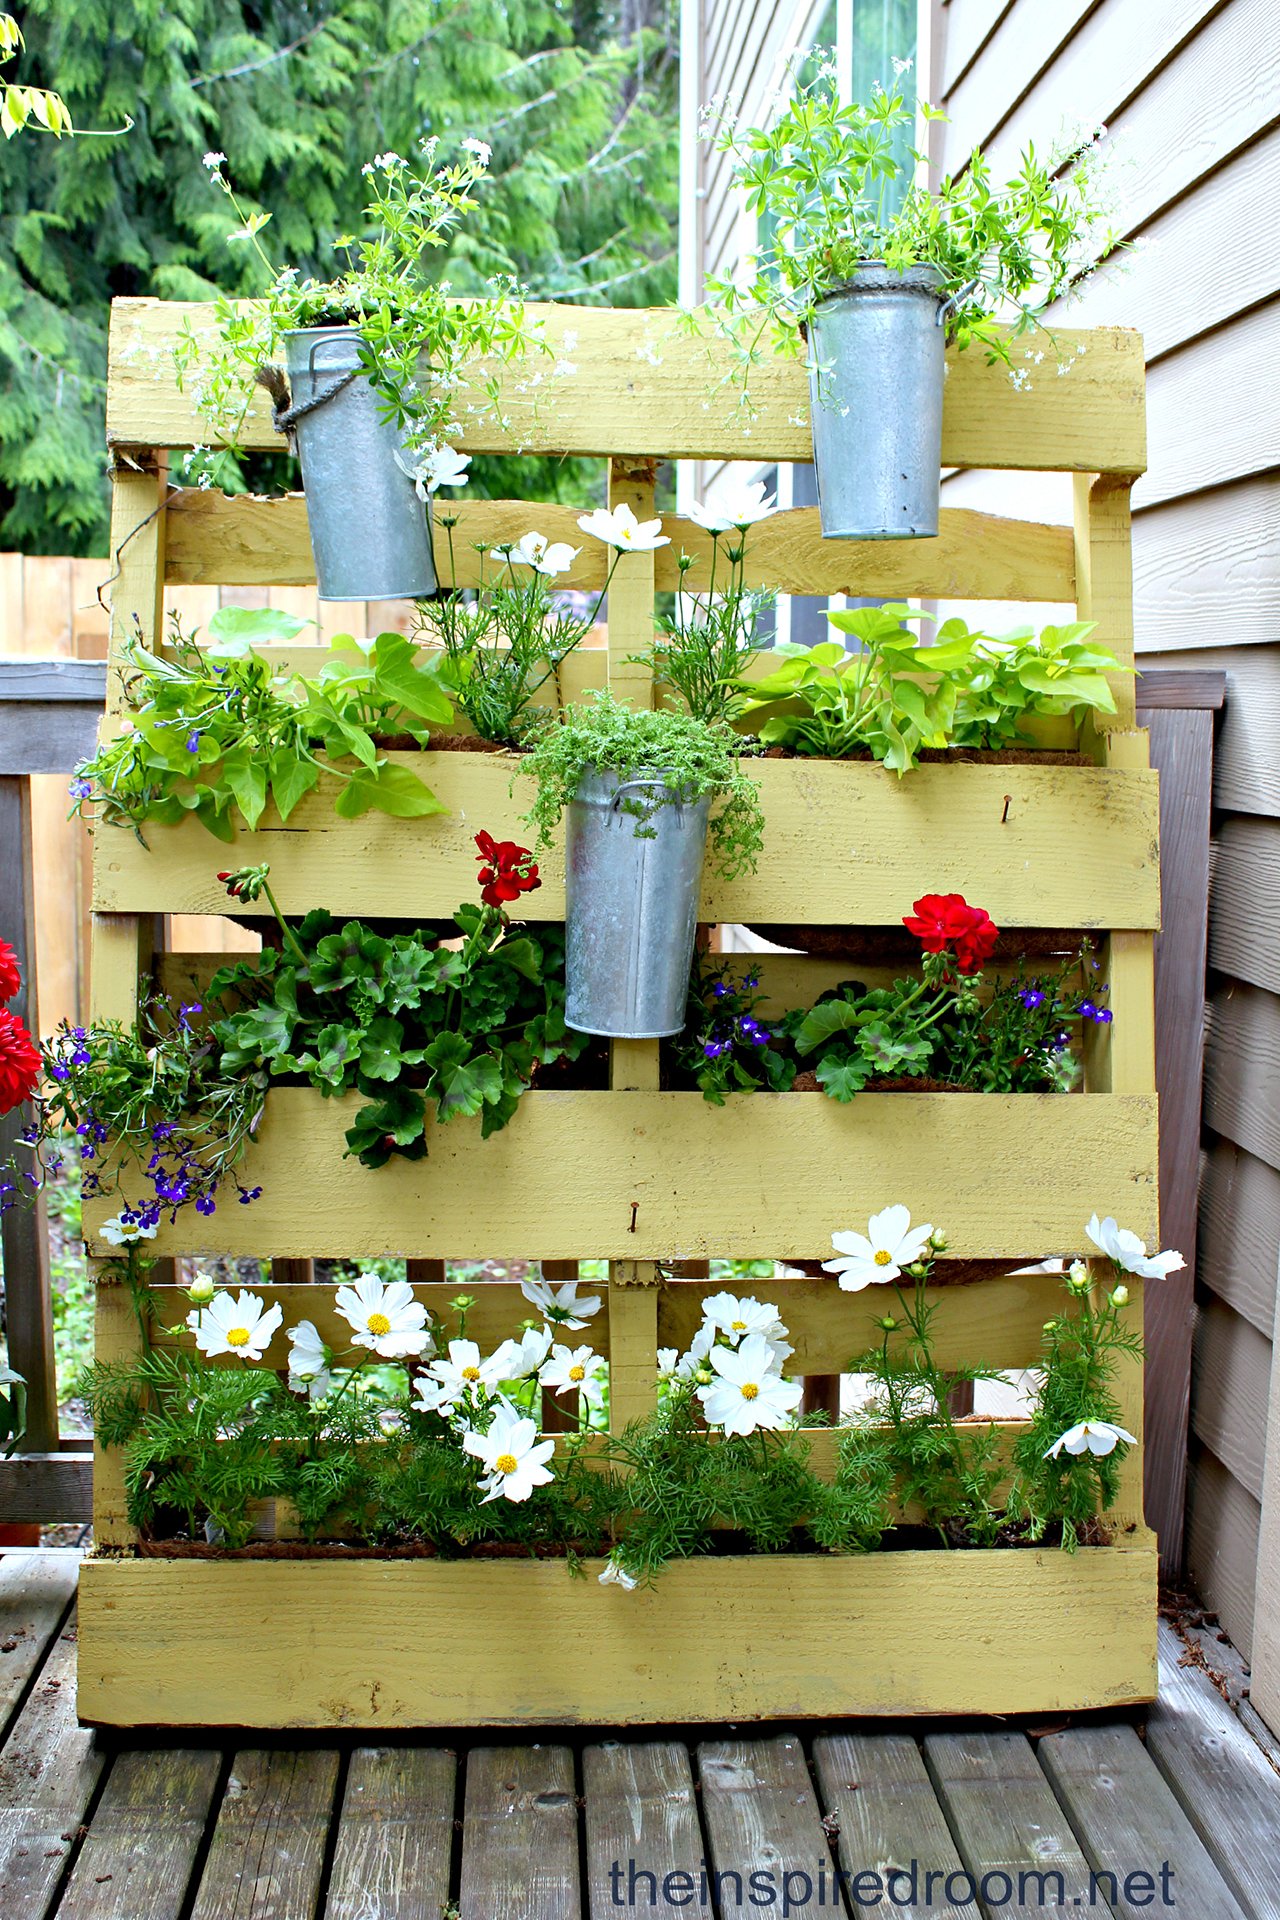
(577, 101)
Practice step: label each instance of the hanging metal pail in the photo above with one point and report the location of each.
(631, 906)
(370, 528)
(877, 362)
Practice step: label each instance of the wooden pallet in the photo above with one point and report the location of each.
(637, 1176)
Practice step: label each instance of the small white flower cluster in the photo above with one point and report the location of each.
(461, 1386)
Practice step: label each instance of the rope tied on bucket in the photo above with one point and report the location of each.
(285, 411)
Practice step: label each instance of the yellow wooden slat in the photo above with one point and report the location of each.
(767, 1175)
(845, 844)
(402, 1645)
(642, 386)
(240, 540)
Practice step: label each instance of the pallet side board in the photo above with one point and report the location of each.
(1031, 1630)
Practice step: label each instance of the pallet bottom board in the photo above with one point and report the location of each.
(399, 1644)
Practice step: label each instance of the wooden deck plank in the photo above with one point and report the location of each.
(49, 1771)
(520, 1835)
(1220, 1778)
(1136, 1837)
(395, 1835)
(35, 1591)
(644, 1839)
(268, 1847)
(764, 1828)
(138, 1856)
(1010, 1830)
(891, 1828)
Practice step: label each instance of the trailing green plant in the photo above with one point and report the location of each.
(152, 1111)
(693, 757)
(897, 695)
(836, 184)
(453, 1019)
(415, 342)
(215, 732)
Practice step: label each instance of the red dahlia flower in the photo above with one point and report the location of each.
(10, 978)
(19, 1063)
(942, 921)
(507, 870)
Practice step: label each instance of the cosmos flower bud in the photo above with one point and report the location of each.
(918, 1269)
(1120, 1296)
(201, 1290)
(1078, 1277)
(887, 1324)
(938, 1240)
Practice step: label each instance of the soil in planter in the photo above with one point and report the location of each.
(725, 1545)
(949, 756)
(895, 947)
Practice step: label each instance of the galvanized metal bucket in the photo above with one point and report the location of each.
(631, 905)
(876, 370)
(370, 528)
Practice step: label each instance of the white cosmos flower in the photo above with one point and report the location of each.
(561, 1305)
(748, 1394)
(481, 149)
(463, 1367)
(515, 1359)
(120, 1232)
(668, 1360)
(513, 1457)
(889, 1244)
(735, 1318)
(571, 1370)
(385, 1317)
(308, 1361)
(1129, 1252)
(1094, 1436)
(622, 530)
(740, 506)
(242, 1326)
(445, 467)
(548, 557)
(432, 1396)
(689, 1364)
(616, 1575)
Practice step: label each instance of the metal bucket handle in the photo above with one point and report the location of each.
(629, 786)
(953, 300)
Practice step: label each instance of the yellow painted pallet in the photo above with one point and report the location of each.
(635, 1175)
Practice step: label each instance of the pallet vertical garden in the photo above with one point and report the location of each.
(646, 1178)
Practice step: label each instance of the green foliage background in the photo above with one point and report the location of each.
(578, 99)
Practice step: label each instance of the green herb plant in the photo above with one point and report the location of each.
(693, 758)
(836, 185)
(215, 732)
(415, 342)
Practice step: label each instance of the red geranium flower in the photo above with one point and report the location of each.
(19, 1062)
(507, 870)
(946, 921)
(10, 978)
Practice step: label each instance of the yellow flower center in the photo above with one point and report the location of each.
(737, 1326)
(506, 1463)
(883, 1259)
(750, 1390)
(237, 1336)
(577, 1373)
(378, 1324)
(473, 1373)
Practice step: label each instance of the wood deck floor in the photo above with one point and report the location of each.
(582, 1827)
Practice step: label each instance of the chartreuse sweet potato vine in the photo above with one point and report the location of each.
(216, 732)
